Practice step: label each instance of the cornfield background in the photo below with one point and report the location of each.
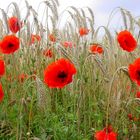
(101, 92)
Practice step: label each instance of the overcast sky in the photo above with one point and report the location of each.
(101, 8)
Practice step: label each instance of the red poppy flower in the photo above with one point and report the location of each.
(134, 71)
(67, 44)
(9, 44)
(2, 68)
(59, 73)
(138, 94)
(135, 119)
(14, 24)
(1, 93)
(35, 38)
(34, 75)
(48, 53)
(22, 77)
(9, 78)
(106, 134)
(96, 49)
(52, 38)
(83, 31)
(127, 41)
(130, 116)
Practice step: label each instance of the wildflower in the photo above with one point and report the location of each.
(67, 44)
(52, 38)
(35, 38)
(130, 116)
(59, 73)
(83, 31)
(14, 24)
(96, 49)
(1, 93)
(9, 44)
(127, 41)
(135, 119)
(48, 53)
(134, 71)
(9, 78)
(138, 94)
(2, 67)
(34, 75)
(22, 77)
(106, 134)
